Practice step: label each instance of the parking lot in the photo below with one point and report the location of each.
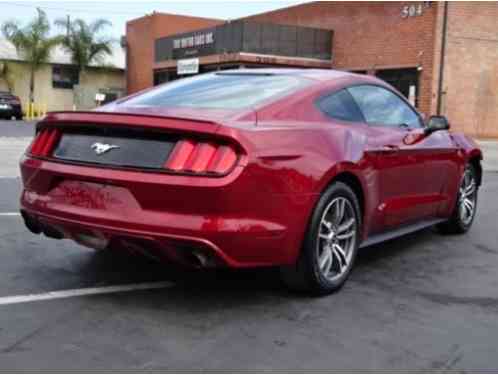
(423, 302)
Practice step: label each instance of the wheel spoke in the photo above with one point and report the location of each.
(466, 178)
(346, 226)
(469, 190)
(323, 236)
(340, 254)
(347, 235)
(325, 261)
(340, 211)
(469, 205)
(327, 224)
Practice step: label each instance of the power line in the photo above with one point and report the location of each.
(113, 11)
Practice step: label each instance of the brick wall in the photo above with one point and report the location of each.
(471, 70)
(369, 36)
(140, 36)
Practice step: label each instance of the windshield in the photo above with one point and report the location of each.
(219, 91)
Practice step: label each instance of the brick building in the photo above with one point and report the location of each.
(443, 56)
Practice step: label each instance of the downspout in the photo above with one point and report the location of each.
(442, 61)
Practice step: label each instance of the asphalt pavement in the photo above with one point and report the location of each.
(424, 302)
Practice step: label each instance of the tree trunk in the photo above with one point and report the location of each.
(32, 85)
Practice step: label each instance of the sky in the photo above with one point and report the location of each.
(118, 12)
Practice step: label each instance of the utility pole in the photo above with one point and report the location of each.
(68, 25)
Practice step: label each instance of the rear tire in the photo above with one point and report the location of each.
(330, 245)
(466, 205)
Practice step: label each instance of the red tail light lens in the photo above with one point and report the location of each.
(45, 142)
(201, 157)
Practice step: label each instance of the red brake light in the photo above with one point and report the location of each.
(223, 160)
(201, 157)
(180, 155)
(45, 142)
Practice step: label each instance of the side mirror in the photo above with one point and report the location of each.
(436, 123)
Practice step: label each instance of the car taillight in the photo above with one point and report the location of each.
(45, 142)
(201, 157)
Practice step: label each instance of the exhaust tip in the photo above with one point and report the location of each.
(31, 223)
(52, 232)
(197, 259)
(200, 258)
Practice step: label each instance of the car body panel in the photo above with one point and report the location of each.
(258, 214)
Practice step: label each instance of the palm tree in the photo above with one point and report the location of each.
(32, 42)
(83, 43)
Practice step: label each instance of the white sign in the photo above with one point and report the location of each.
(194, 41)
(412, 94)
(188, 66)
(99, 97)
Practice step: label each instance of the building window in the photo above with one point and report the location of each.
(404, 80)
(64, 76)
(163, 76)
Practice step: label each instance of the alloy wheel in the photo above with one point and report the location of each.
(467, 197)
(336, 238)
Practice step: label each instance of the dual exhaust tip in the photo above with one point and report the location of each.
(194, 257)
(37, 227)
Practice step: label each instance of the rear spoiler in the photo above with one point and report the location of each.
(129, 119)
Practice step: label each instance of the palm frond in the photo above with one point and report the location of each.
(32, 41)
(83, 43)
(98, 25)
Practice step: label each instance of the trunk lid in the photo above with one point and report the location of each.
(129, 139)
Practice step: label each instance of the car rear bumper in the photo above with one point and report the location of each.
(227, 221)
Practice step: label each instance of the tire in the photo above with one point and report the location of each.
(459, 223)
(19, 118)
(321, 268)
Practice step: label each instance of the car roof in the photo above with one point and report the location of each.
(316, 74)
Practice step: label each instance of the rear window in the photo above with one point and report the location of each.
(219, 90)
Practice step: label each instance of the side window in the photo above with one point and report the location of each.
(382, 107)
(341, 106)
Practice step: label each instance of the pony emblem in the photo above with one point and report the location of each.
(102, 148)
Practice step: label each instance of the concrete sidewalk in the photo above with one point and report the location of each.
(490, 155)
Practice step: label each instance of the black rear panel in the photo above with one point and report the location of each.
(115, 147)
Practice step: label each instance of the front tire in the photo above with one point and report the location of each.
(330, 245)
(466, 204)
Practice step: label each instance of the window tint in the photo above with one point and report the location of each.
(341, 106)
(382, 107)
(219, 90)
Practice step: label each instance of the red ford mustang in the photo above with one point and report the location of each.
(295, 168)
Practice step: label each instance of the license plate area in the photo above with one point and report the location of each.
(115, 147)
